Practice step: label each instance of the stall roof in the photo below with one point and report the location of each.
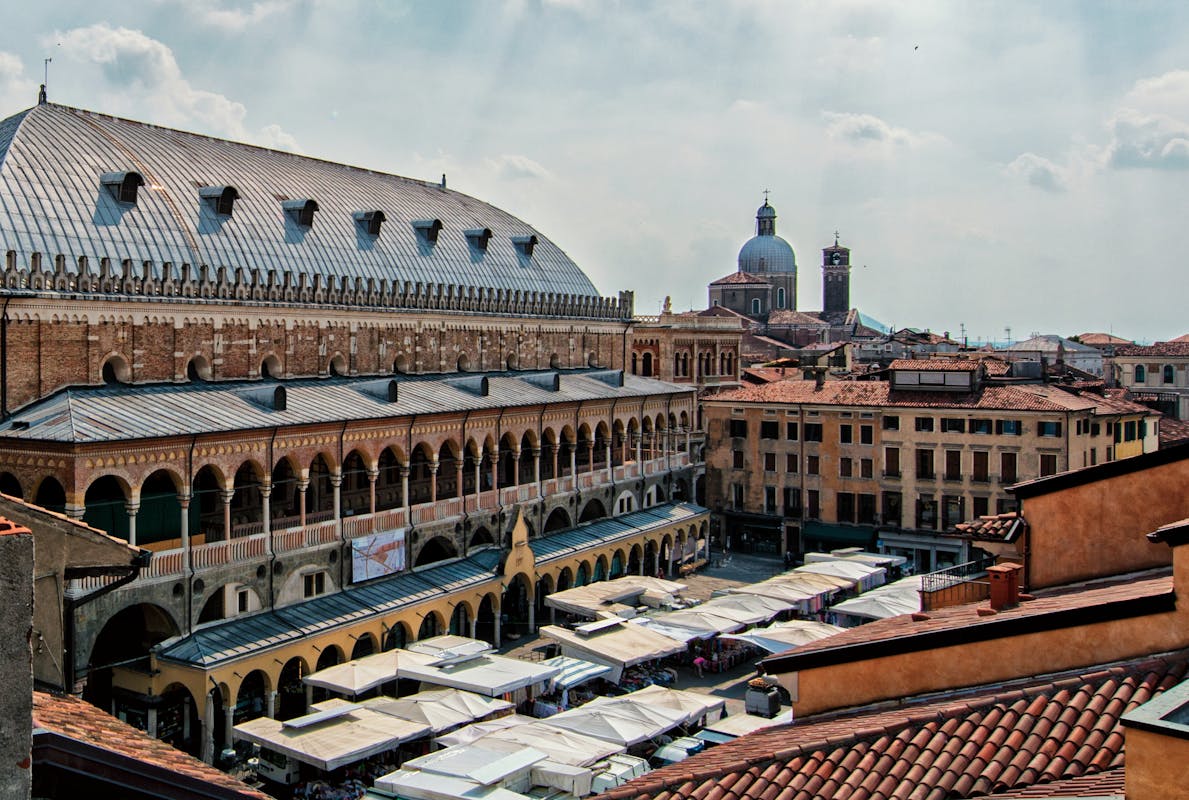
(740, 724)
(753, 608)
(335, 742)
(418, 785)
(562, 745)
(624, 724)
(473, 762)
(484, 674)
(694, 705)
(609, 596)
(440, 709)
(480, 729)
(703, 619)
(851, 570)
(357, 676)
(620, 646)
(891, 600)
(782, 636)
(575, 671)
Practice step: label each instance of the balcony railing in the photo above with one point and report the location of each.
(951, 576)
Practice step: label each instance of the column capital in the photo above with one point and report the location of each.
(227, 495)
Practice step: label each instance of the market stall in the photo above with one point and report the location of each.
(864, 577)
(890, 600)
(781, 636)
(618, 645)
(353, 678)
(696, 706)
(620, 597)
(625, 724)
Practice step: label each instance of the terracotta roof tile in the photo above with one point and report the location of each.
(1174, 348)
(936, 364)
(76, 719)
(994, 740)
(739, 277)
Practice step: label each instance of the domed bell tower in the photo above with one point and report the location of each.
(836, 278)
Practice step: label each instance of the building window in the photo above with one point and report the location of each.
(891, 423)
(736, 495)
(1048, 464)
(845, 467)
(315, 584)
(925, 464)
(755, 305)
(981, 465)
(980, 506)
(737, 459)
(769, 462)
(953, 465)
(1007, 467)
(951, 511)
(769, 430)
(845, 434)
(1093, 456)
(780, 297)
(866, 434)
(893, 505)
(1051, 429)
(1141, 374)
(811, 465)
(738, 429)
(242, 600)
(1170, 374)
(769, 499)
(792, 502)
(813, 431)
(1129, 431)
(949, 425)
(866, 509)
(891, 462)
(980, 426)
(1095, 429)
(1009, 427)
(790, 431)
(866, 469)
(790, 463)
(846, 507)
(924, 424)
(1004, 505)
(926, 511)
(813, 504)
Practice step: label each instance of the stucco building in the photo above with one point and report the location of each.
(324, 398)
(1156, 374)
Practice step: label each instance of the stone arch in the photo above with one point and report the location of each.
(271, 367)
(198, 368)
(618, 564)
(115, 370)
(355, 491)
(525, 470)
(50, 494)
(594, 509)
(566, 451)
(127, 636)
(480, 538)
(291, 694)
(251, 696)
(106, 502)
(172, 696)
(582, 573)
(365, 645)
(389, 487)
(285, 500)
(337, 365)
(320, 491)
(431, 626)
(601, 568)
(438, 548)
(565, 579)
(515, 605)
(10, 486)
(396, 636)
(448, 464)
(400, 365)
(635, 565)
(463, 364)
(558, 520)
(421, 474)
(460, 619)
(486, 616)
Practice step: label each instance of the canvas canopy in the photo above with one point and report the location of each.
(694, 705)
(740, 724)
(624, 724)
(863, 576)
(707, 622)
(808, 590)
(358, 676)
(619, 646)
(619, 597)
(441, 709)
(484, 674)
(575, 671)
(331, 739)
(562, 745)
(751, 608)
(781, 636)
(891, 600)
(478, 730)
(449, 645)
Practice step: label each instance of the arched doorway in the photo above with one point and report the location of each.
(439, 548)
(558, 520)
(431, 626)
(251, 699)
(514, 605)
(177, 720)
(460, 620)
(592, 511)
(10, 486)
(485, 620)
(365, 645)
(127, 636)
(106, 505)
(51, 495)
(396, 637)
(291, 693)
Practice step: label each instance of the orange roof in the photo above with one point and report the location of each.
(1102, 338)
(936, 364)
(1002, 740)
(739, 277)
(82, 722)
(1021, 397)
(1178, 347)
(997, 528)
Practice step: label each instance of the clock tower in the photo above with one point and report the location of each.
(836, 278)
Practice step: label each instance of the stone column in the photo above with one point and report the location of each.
(302, 486)
(336, 483)
(459, 487)
(532, 612)
(610, 463)
(590, 455)
(228, 724)
(573, 466)
(132, 508)
(270, 705)
(184, 502)
(404, 489)
(495, 469)
(536, 453)
(433, 481)
(553, 448)
(373, 475)
(75, 510)
(227, 495)
(266, 514)
(208, 730)
(478, 483)
(640, 446)
(516, 467)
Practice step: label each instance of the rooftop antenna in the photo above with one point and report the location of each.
(962, 327)
(1007, 331)
(41, 95)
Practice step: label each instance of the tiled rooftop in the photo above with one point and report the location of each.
(995, 528)
(1173, 431)
(1026, 397)
(789, 317)
(739, 277)
(1049, 732)
(82, 722)
(1173, 348)
(1094, 339)
(936, 364)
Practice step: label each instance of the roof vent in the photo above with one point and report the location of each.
(611, 377)
(122, 185)
(549, 381)
(476, 385)
(393, 391)
(525, 244)
(478, 237)
(221, 198)
(370, 221)
(428, 229)
(280, 399)
(20, 424)
(301, 211)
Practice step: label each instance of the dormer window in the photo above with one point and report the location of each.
(220, 198)
(478, 238)
(525, 244)
(370, 221)
(122, 185)
(301, 211)
(428, 229)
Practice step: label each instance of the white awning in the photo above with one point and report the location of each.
(562, 745)
(890, 600)
(331, 739)
(485, 674)
(619, 597)
(864, 576)
(624, 724)
(750, 608)
(575, 671)
(694, 705)
(619, 646)
(781, 636)
(358, 676)
(441, 709)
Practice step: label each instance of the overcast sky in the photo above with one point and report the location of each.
(994, 163)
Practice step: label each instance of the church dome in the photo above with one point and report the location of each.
(766, 252)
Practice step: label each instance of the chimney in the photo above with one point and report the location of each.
(819, 377)
(1005, 585)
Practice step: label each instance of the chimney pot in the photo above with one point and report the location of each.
(1005, 585)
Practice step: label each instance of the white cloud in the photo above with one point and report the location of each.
(865, 129)
(1153, 141)
(16, 90)
(146, 70)
(1039, 171)
(513, 167)
(236, 20)
(1167, 93)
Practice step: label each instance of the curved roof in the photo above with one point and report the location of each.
(62, 171)
(767, 254)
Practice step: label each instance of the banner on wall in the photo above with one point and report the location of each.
(377, 555)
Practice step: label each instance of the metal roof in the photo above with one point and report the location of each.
(607, 530)
(52, 202)
(120, 412)
(241, 636)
